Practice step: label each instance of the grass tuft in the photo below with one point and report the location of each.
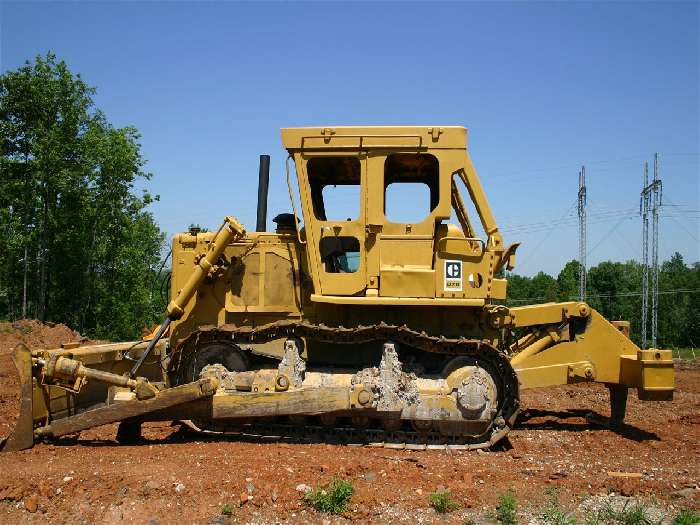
(226, 510)
(441, 501)
(635, 514)
(331, 499)
(506, 509)
(553, 513)
(686, 517)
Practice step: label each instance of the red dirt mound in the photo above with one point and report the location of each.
(35, 335)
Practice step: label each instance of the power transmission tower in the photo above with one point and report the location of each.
(644, 212)
(650, 204)
(655, 206)
(582, 234)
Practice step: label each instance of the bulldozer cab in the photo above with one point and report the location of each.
(376, 203)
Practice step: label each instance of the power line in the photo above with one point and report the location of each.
(549, 232)
(605, 237)
(527, 175)
(661, 292)
(609, 295)
(570, 219)
(673, 217)
(686, 230)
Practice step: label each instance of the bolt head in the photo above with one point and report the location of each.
(282, 382)
(364, 397)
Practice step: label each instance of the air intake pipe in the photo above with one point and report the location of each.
(263, 183)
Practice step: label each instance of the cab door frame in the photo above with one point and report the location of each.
(328, 283)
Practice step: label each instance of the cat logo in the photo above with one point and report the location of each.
(453, 276)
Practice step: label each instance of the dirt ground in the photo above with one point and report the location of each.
(178, 477)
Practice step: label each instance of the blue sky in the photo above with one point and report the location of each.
(542, 88)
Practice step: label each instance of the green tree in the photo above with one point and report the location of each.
(519, 289)
(678, 316)
(72, 232)
(545, 288)
(567, 281)
(614, 289)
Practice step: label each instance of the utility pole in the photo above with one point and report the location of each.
(650, 204)
(582, 234)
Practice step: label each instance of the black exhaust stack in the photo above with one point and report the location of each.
(263, 183)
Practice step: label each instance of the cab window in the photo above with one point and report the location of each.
(335, 187)
(410, 187)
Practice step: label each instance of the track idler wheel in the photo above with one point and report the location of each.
(226, 355)
(477, 390)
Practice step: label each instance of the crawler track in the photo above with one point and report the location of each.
(400, 436)
(372, 437)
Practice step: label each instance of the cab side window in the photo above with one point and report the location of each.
(335, 184)
(335, 187)
(340, 254)
(410, 187)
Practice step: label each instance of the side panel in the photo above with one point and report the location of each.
(262, 280)
(265, 278)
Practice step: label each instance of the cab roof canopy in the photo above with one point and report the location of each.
(374, 137)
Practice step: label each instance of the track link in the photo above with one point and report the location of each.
(266, 432)
(280, 429)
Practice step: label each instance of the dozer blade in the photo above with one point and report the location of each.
(49, 410)
(22, 437)
(129, 409)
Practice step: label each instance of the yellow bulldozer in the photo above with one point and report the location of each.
(373, 314)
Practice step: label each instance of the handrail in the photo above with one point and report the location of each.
(443, 247)
(291, 197)
(459, 238)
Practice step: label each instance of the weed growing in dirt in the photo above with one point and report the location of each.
(440, 500)
(553, 513)
(635, 514)
(506, 509)
(226, 510)
(331, 499)
(686, 517)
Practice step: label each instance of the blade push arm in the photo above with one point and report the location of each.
(229, 231)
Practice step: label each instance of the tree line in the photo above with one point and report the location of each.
(79, 246)
(614, 289)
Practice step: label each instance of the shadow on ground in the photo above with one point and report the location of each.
(561, 421)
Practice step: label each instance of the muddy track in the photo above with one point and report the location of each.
(401, 435)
